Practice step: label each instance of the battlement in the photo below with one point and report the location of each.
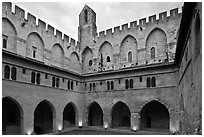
(163, 18)
(19, 13)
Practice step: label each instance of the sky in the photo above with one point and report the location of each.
(64, 16)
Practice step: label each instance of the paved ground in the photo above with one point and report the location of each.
(91, 131)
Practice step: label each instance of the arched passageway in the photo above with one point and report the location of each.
(154, 115)
(120, 115)
(11, 117)
(43, 118)
(95, 116)
(69, 116)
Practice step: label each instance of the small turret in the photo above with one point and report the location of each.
(87, 27)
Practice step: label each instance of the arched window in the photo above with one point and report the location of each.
(13, 73)
(6, 72)
(153, 82)
(152, 53)
(90, 62)
(53, 81)
(94, 86)
(72, 85)
(38, 78)
(90, 87)
(112, 85)
(108, 85)
(86, 16)
(130, 56)
(4, 43)
(68, 84)
(57, 82)
(126, 84)
(131, 83)
(148, 82)
(33, 77)
(108, 59)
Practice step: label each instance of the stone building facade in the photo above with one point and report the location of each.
(128, 77)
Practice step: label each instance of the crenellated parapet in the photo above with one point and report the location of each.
(137, 25)
(47, 33)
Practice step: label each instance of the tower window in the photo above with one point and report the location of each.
(4, 43)
(101, 83)
(90, 62)
(152, 52)
(6, 72)
(86, 16)
(130, 56)
(13, 73)
(108, 59)
(34, 51)
(72, 85)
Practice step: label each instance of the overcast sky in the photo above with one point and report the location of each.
(64, 16)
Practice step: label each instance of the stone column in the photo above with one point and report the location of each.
(135, 121)
(27, 124)
(107, 120)
(174, 122)
(58, 120)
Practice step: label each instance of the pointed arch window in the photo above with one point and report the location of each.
(13, 73)
(90, 62)
(153, 82)
(4, 43)
(68, 84)
(94, 86)
(72, 85)
(148, 82)
(108, 59)
(130, 56)
(6, 72)
(126, 84)
(53, 81)
(38, 78)
(112, 85)
(152, 52)
(131, 83)
(57, 82)
(90, 87)
(108, 85)
(33, 77)
(86, 16)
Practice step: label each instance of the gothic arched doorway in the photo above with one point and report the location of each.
(95, 116)
(154, 115)
(43, 118)
(69, 116)
(120, 115)
(11, 117)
